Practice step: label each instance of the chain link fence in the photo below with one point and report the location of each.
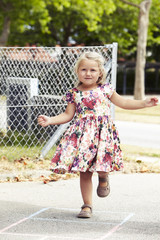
(32, 82)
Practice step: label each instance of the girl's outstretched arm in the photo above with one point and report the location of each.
(130, 104)
(64, 117)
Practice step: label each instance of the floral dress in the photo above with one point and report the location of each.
(92, 142)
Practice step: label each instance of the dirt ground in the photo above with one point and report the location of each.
(26, 169)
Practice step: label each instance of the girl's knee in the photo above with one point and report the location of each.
(86, 175)
(102, 174)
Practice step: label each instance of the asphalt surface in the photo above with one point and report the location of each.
(37, 211)
(139, 134)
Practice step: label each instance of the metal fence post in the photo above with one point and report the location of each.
(114, 73)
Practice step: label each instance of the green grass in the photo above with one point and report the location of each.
(135, 151)
(17, 152)
(146, 115)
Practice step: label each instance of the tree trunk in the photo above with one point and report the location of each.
(5, 31)
(139, 88)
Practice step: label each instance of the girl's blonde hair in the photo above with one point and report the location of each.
(97, 58)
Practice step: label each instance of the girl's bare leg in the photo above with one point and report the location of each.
(103, 175)
(86, 188)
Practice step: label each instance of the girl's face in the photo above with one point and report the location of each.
(88, 73)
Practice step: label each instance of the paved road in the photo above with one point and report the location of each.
(139, 134)
(35, 211)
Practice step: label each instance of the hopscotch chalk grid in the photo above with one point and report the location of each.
(46, 216)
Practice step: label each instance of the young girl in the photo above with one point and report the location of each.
(91, 143)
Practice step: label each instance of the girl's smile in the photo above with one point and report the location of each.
(88, 73)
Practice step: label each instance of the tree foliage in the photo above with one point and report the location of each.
(69, 19)
(94, 22)
(21, 14)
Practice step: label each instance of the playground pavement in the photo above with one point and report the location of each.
(37, 211)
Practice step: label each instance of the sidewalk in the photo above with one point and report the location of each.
(37, 211)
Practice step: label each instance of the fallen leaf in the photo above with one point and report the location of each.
(139, 161)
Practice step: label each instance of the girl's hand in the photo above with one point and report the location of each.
(151, 102)
(44, 120)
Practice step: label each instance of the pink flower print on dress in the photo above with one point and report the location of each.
(89, 103)
(91, 143)
(57, 157)
(73, 139)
